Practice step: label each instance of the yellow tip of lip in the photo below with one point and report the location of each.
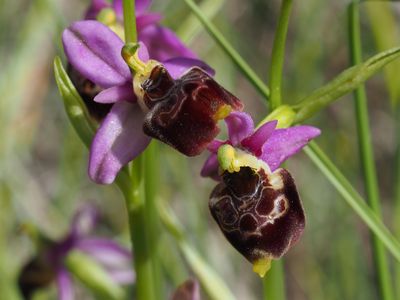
(262, 266)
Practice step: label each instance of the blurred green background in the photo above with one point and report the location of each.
(43, 163)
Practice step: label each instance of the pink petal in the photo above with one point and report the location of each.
(255, 141)
(119, 140)
(95, 52)
(116, 93)
(240, 126)
(284, 143)
(210, 167)
(215, 144)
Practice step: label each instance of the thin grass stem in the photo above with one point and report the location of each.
(367, 156)
(229, 50)
(353, 198)
(278, 55)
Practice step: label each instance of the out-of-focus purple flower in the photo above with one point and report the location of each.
(48, 265)
(267, 143)
(189, 290)
(95, 52)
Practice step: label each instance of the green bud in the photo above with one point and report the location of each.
(284, 114)
(76, 109)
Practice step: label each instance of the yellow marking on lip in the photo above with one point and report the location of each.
(232, 159)
(262, 266)
(222, 112)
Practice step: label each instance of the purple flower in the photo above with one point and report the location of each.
(267, 143)
(48, 265)
(95, 52)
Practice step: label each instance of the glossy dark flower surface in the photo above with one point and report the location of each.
(184, 113)
(260, 213)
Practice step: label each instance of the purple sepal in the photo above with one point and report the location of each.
(65, 287)
(95, 52)
(141, 6)
(119, 140)
(117, 93)
(284, 143)
(177, 66)
(163, 43)
(147, 20)
(84, 221)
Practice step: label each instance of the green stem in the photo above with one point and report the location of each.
(353, 198)
(151, 184)
(278, 55)
(396, 224)
(129, 21)
(367, 156)
(229, 50)
(134, 186)
(274, 282)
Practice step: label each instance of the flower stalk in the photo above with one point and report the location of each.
(278, 55)
(367, 156)
(137, 202)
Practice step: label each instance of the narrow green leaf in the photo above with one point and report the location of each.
(353, 198)
(191, 26)
(343, 84)
(229, 50)
(92, 275)
(74, 106)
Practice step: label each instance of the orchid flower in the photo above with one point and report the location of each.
(48, 265)
(267, 143)
(190, 98)
(256, 205)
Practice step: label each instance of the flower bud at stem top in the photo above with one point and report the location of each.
(284, 114)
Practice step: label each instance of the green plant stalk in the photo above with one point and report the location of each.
(229, 50)
(396, 224)
(129, 21)
(132, 182)
(353, 198)
(367, 156)
(278, 55)
(274, 282)
(151, 185)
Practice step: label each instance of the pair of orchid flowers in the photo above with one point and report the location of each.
(173, 97)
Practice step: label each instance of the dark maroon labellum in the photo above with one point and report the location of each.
(260, 214)
(36, 274)
(184, 113)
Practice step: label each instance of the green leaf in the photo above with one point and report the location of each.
(74, 106)
(353, 198)
(93, 276)
(343, 84)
